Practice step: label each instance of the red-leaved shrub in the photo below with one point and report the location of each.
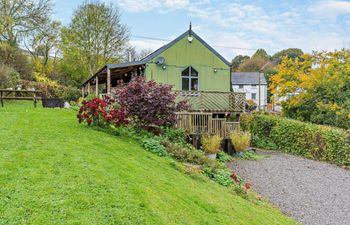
(100, 112)
(149, 103)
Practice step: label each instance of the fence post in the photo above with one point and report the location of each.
(190, 122)
(210, 123)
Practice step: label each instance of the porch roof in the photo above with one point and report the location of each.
(115, 69)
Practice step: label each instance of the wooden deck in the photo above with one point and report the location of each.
(204, 123)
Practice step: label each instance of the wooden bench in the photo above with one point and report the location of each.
(15, 95)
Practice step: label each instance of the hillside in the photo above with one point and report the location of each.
(56, 171)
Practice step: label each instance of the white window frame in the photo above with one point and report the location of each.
(189, 77)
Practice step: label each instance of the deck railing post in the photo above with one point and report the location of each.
(108, 81)
(82, 92)
(96, 86)
(210, 123)
(190, 122)
(89, 89)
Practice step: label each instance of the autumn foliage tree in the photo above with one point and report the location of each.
(322, 81)
(149, 103)
(94, 37)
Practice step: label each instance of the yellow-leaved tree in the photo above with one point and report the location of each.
(317, 87)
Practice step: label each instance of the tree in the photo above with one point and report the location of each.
(269, 72)
(95, 37)
(130, 54)
(18, 17)
(291, 53)
(238, 60)
(144, 52)
(43, 47)
(43, 44)
(320, 87)
(15, 58)
(254, 65)
(262, 54)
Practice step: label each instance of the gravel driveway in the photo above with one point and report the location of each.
(314, 193)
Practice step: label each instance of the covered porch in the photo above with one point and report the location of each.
(102, 82)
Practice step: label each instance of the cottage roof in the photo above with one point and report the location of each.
(155, 54)
(247, 78)
(165, 47)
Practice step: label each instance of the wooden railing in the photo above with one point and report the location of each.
(213, 101)
(9, 94)
(204, 123)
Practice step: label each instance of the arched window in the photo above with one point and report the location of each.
(189, 79)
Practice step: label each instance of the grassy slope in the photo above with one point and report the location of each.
(53, 170)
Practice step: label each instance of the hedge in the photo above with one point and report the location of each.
(309, 140)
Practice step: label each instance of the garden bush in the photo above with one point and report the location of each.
(224, 157)
(149, 103)
(154, 145)
(9, 77)
(240, 140)
(309, 140)
(101, 112)
(174, 135)
(222, 176)
(51, 89)
(211, 143)
(185, 153)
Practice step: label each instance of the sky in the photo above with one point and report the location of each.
(232, 27)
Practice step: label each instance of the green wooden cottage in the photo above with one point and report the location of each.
(197, 72)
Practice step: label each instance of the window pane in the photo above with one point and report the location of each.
(194, 72)
(240, 86)
(186, 72)
(185, 84)
(254, 96)
(194, 84)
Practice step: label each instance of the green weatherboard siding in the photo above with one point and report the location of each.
(183, 54)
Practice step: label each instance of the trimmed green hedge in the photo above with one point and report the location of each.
(309, 140)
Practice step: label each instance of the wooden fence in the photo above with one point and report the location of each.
(204, 123)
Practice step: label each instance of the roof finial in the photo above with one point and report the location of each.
(190, 38)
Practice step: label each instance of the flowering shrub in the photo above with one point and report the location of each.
(241, 187)
(149, 103)
(101, 112)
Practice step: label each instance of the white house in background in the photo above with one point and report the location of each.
(278, 100)
(248, 82)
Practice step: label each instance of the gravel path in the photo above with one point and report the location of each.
(314, 193)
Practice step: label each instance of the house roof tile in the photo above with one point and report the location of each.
(247, 78)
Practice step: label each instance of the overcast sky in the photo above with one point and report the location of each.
(233, 27)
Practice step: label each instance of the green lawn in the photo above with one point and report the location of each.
(56, 171)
